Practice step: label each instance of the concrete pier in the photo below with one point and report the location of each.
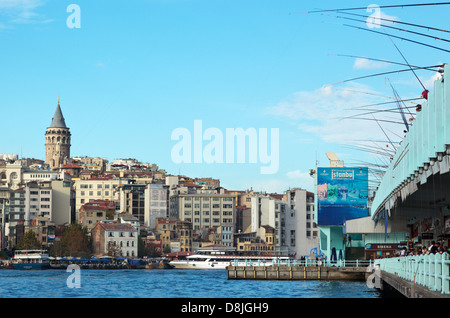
(284, 272)
(406, 288)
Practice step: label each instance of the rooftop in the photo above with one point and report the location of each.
(58, 119)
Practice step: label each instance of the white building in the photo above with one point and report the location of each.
(267, 210)
(107, 237)
(301, 230)
(155, 203)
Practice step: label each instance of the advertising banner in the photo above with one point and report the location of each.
(342, 194)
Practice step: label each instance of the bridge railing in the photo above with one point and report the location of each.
(430, 271)
(306, 262)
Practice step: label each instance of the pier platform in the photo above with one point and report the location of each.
(296, 272)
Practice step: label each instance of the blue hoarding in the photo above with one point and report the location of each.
(342, 194)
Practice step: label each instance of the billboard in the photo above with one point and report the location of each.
(342, 194)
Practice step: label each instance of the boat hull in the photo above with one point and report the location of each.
(31, 266)
(199, 265)
(214, 265)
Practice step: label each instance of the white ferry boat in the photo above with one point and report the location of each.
(202, 261)
(30, 259)
(219, 257)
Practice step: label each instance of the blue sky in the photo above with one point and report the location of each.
(136, 70)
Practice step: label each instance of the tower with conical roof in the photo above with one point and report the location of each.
(57, 140)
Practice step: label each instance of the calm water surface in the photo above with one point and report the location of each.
(168, 284)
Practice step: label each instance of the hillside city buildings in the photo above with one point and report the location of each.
(124, 201)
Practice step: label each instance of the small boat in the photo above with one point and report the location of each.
(30, 259)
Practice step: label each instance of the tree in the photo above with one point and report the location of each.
(75, 241)
(166, 249)
(29, 242)
(113, 249)
(141, 247)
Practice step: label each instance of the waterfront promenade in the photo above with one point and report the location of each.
(420, 276)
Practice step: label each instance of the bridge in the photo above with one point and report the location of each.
(413, 189)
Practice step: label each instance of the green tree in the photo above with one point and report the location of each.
(166, 249)
(28, 242)
(141, 247)
(56, 250)
(74, 241)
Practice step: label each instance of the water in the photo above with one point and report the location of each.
(168, 284)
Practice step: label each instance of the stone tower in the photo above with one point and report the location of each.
(57, 140)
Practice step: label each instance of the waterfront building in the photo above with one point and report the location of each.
(267, 210)
(250, 243)
(51, 199)
(114, 239)
(206, 210)
(301, 228)
(57, 140)
(369, 241)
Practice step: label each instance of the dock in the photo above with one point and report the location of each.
(297, 272)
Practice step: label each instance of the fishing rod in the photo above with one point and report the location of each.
(403, 102)
(378, 60)
(388, 26)
(378, 95)
(376, 111)
(407, 63)
(398, 37)
(384, 103)
(399, 22)
(376, 152)
(387, 121)
(385, 73)
(400, 109)
(384, 132)
(381, 7)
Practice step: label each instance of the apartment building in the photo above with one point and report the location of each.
(302, 231)
(115, 239)
(156, 203)
(267, 210)
(206, 210)
(96, 211)
(100, 188)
